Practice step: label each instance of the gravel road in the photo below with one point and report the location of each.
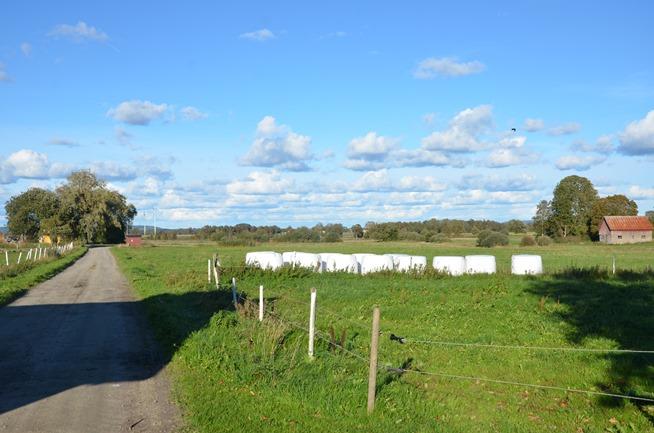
(76, 355)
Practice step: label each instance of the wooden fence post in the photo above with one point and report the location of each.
(372, 374)
(312, 321)
(261, 306)
(234, 292)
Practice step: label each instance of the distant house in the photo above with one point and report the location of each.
(133, 240)
(625, 229)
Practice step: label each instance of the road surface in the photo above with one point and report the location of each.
(77, 356)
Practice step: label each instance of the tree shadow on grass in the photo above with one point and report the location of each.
(46, 349)
(615, 307)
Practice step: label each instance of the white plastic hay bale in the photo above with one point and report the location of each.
(453, 265)
(481, 264)
(376, 263)
(336, 262)
(288, 258)
(526, 264)
(264, 260)
(401, 262)
(418, 263)
(307, 260)
(359, 258)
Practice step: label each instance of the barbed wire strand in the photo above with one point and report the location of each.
(508, 346)
(528, 385)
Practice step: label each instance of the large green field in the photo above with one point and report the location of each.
(232, 373)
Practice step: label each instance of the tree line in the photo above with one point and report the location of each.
(83, 209)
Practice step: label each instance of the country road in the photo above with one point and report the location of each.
(76, 355)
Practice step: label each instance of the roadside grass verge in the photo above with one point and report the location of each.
(17, 279)
(232, 373)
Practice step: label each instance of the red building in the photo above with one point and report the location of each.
(625, 229)
(133, 240)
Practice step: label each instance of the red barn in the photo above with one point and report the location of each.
(625, 229)
(133, 240)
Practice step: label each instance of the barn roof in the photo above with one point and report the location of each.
(628, 223)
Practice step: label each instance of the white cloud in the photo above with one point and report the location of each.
(123, 137)
(565, 129)
(78, 32)
(113, 171)
(28, 164)
(137, 112)
(371, 147)
(464, 131)
(603, 145)
(261, 183)
(3, 74)
(278, 146)
(512, 142)
(522, 182)
(258, 35)
(426, 158)
(26, 49)
(446, 67)
(581, 163)
(639, 193)
(638, 137)
(192, 113)
(533, 125)
(506, 157)
(65, 142)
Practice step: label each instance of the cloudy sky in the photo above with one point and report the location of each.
(298, 113)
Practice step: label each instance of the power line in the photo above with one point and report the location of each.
(529, 385)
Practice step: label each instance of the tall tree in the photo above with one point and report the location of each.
(572, 203)
(612, 205)
(542, 217)
(650, 214)
(90, 211)
(32, 213)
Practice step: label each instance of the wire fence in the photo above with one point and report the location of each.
(387, 367)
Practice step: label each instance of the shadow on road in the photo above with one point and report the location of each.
(618, 308)
(47, 349)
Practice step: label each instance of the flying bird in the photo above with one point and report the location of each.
(513, 129)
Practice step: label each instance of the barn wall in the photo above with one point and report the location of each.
(628, 237)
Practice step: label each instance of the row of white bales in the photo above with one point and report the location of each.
(364, 263)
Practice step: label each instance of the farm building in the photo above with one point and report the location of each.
(133, 240)
(625, 229)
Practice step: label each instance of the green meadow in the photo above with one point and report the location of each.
(233, 373)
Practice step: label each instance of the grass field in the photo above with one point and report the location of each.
(233, 374)
(16, 279)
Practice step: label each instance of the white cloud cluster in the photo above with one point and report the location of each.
(260, 35)
(28, 164)
(137, 112)
(533, 125)
(192, 113)
(603, 145)
(638, 137)
(565, 129)
(64, 142)
(521, 182)
(78, 32)
(446, 67)
(464, 131)
(261, 183)
(640, 193)
(580, 163)
(278, 146)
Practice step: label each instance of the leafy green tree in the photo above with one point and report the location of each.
(357, 231)
(516, 226)
(607, 206)
(32, 213)
(542, 217)
(572, 203)
(90, 211)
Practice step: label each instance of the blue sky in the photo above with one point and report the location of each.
(297, 113)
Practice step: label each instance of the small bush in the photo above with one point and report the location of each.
(544, 240)
(527, 241)
(437, 238)
(489, 238)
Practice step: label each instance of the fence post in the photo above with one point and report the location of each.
(216, 274)
(7, 257)
(20, 254)
(613, 265)
(312, 321)
(374, 345)
(234, 291)
(261, 306)
(209, 270)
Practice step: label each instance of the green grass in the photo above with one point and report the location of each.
(233, 374)
(17, 279)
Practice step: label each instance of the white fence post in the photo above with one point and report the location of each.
(312, 321)
(613, 265)
(20, 254)
(261, 303)
(234, 291)
(372, 374)
(7, 257)
(209, 271)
